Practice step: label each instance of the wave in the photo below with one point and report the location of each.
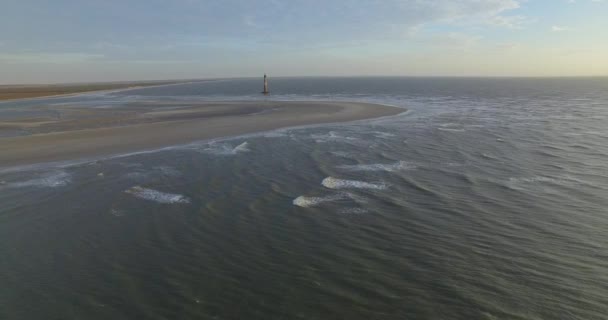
(564, 180)
(488, 156)
(334, 183)
(342, 154)
(451, 129)
(275, 134)
(307, 202)
(52, 180)
(165, 171)
(383, 135)
(397, 166)
(226, 149)
(117, 212)
(243, 147)
(332, 136)
(353, 211)
(157, 196)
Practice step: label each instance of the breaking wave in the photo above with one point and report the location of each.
(397, 166)
(156, 196)
(226, 149)
(307, 202)
(451, 129)
(52, 180)
(334, 183)
(353, 211)
(332, 136)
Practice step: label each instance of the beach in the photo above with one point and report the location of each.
(33, 135)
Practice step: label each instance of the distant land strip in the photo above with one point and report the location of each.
(14, 92)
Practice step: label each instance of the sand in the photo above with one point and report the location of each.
(11, 92)
(43, 134)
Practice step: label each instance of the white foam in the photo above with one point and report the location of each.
(226, 149)
(342, 154)
(117, 212)
(157, 196)
(167, 171)
(49, 180)
(142, 174)
(532, 179)
(243, 147)
(397, 166)
(332, 136)
(565, 180)
(353, 211)
(307, 202)
(451, 129)
(334, 183)
(383, 135)
(275, 134)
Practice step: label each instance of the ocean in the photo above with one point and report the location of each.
(485, 199)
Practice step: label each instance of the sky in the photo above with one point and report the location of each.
(60, 41)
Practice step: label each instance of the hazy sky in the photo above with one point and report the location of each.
(86, 40)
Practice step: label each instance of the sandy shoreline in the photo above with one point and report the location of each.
(19, 92)
(37, 136)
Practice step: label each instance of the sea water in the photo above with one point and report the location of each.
(487, 199)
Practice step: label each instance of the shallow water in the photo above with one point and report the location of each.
(487, 200)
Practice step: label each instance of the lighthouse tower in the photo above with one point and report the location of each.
(265, 85)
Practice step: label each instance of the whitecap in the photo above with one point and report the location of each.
(243, 147)
(157, 196)
(397, 166)
(353, 211)
(167, 171)
(332, 136)
(117, 212)
(226, 149)
(383, 135)
(142, 174)
(49, 180)
(342, 154)
(542, 179)
(275, 134)
(334, 183)
(451, 129)
(306, 202)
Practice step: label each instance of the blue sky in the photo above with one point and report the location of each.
(69, 40)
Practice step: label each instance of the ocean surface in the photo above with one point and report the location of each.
(487, 199)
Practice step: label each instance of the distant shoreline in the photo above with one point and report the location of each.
(21, 92)
(92, 133)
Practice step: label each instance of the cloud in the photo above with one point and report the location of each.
(46, 58)
(297, 21)
(559, 28)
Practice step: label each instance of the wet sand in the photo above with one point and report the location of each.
(36, 135)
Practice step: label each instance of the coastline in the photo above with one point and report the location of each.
(11, 93)
(138, 129)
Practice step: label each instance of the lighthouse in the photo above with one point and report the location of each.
(265, 85)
